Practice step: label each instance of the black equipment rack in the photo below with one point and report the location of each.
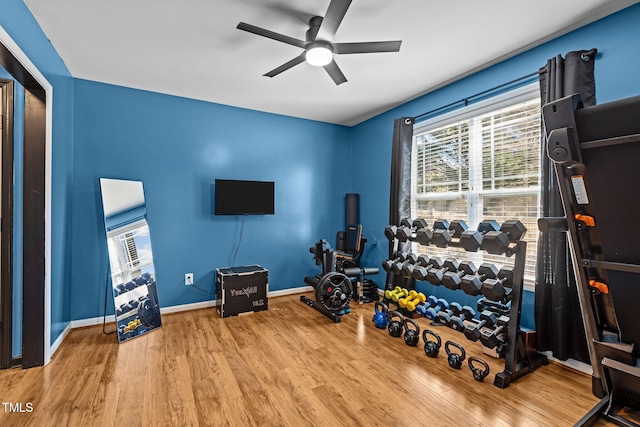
(520, 356)
(596, 151)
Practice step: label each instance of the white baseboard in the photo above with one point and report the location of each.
(93, 321)
(188, 307)
(58, 341)
(570, 363)
(290, 291)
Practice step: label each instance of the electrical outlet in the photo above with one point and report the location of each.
(188, 279)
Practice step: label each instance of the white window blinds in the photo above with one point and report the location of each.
(481, 162)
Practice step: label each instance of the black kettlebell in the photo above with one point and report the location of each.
(455, 360)
(411, 336)
(381, 318)
(431, 348)
(478, 374)
(395, 327)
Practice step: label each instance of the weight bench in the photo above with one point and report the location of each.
(343, 262)
(596, 151)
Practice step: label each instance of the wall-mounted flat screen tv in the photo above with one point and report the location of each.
(235, 197)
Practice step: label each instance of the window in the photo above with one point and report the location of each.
(479, 162)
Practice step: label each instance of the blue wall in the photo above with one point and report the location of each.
(178, 147)
(17, 21)
(616, 38)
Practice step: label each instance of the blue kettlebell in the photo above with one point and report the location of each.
(380, 319)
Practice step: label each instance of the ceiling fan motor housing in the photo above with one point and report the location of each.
(314, 26)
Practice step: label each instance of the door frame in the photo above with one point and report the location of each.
(36, 245)
(6, 224)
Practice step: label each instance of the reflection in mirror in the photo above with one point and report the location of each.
(133, 275)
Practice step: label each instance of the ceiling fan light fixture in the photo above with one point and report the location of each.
(319, 54)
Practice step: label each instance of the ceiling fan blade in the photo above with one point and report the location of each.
(335, 73)
(284, 67)
(332, 19)
(270, 34)
(367, 47)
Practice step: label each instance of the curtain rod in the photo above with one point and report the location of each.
(466, 100)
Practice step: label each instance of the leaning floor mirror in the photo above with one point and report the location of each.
(133, 275)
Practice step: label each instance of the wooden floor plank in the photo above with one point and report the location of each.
(286, 366)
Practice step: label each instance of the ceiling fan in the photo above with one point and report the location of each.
(318, 46)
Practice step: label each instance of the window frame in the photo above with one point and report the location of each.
(504, 100)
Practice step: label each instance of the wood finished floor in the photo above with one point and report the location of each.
(285, 366)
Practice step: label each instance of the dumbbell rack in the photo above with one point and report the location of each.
(520, 357)
(395, 248)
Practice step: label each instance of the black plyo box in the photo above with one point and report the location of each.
(241, 290)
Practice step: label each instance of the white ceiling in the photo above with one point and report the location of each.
(191, 48)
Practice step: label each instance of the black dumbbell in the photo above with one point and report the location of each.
(491, 337)
(390, 232)
(407, 232)
(398, 266)
(444, 317)
(407, 268)
(452, 279)
(472, 329)
(457, 322)
(471, 240)
(418, 231)
(435, 275)
(497, 242)
(494, 306)
(420, 272)
(496, 289)
(439, 226)
(424, 236)
(445, 232)
(121, 288)
(472, 285)
(387, 264)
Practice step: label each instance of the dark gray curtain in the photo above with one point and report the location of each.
(559, 326)
(400, 198)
